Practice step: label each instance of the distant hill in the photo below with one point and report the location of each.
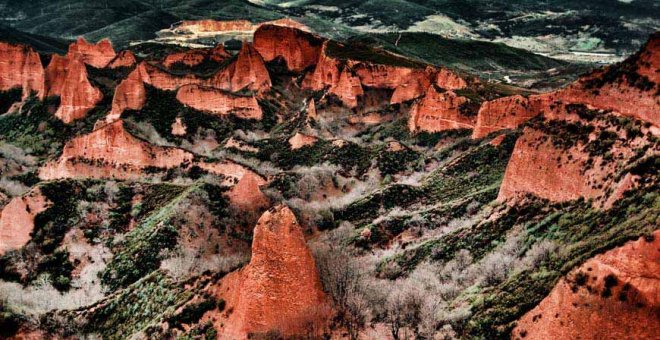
(41, 43)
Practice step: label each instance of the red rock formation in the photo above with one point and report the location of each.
(279, 289)
(111, 152)
(219, 53)
(325, 74)
(209, 25)
(129, 94)
(20, 66)
(299, 140)
(298, 49)
(219, 101)
(125, 58)
(246, 195)
(17, 220)
(248, 71)
(504, 113)
(628, 309)
(161, 79)
(449, 80)
(77, 95)
(98, 55)
(381, 76)
(178, 128)
(311, 110)
(438, 111)
(348, 88)
(537, 167)
(56, 74)
(413, 87)
(190, 58)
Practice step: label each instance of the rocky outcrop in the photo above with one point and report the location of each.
(246, 195)
(299, 140)
(449, 80)
(195, 57)
(438, 111)
(325, 74)
(55, 74)
(279, 289)
(162, 79)
(611, 296)
(297, 48)
(20, 67)
(129, 94)
(125, 58)
(247, 72)
(505, 113)
(538, 167)
(178, 127)
(17, 220)
(413, 87)
(97, 55)
(381, 76)
(77, 95)
(111, 152)
(219, 102)
(348, 88)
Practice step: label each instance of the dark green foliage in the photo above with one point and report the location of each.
(625, 71)
(120, 215)
(466, 54)
(162, 108)
(59, 267)
(582, 232)
(7, 98)
(156, 196)
(392, 162)
(51, 225)
(35, 130)
(28, 178)
(140, 255)
(192, 312)
(10, 322)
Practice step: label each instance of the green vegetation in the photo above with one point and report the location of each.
(9, 97)
(582, 232)
(461, 54)
(356, 50)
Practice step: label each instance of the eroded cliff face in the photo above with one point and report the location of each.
(125, 58)
(195, 57)
(247, 72)
(449, 80)
(381, 76)
(413, 87)
(279, 289)
(129, 94)
(77, 94)
(614, 295)
(538, 167)
(219, 101)
(246, 195)
(111, 152)
(97, 55)
(299, 49)
(505, 113)
(20, 67)
(439, 111)
(17, 219)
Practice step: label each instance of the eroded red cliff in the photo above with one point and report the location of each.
(111, 152)
(20, 67)
(125, 58)
(129, 94)
(97, 55)
(77, 94)
(279, 289)
(17, 219)
(299, 49)
(438, 111)
(615, 295)
(220, 102)
(247, 72)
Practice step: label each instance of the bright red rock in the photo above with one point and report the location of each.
(20, 67)
(97, 55)
(438, 111)
(219, 101)
(298, 49)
